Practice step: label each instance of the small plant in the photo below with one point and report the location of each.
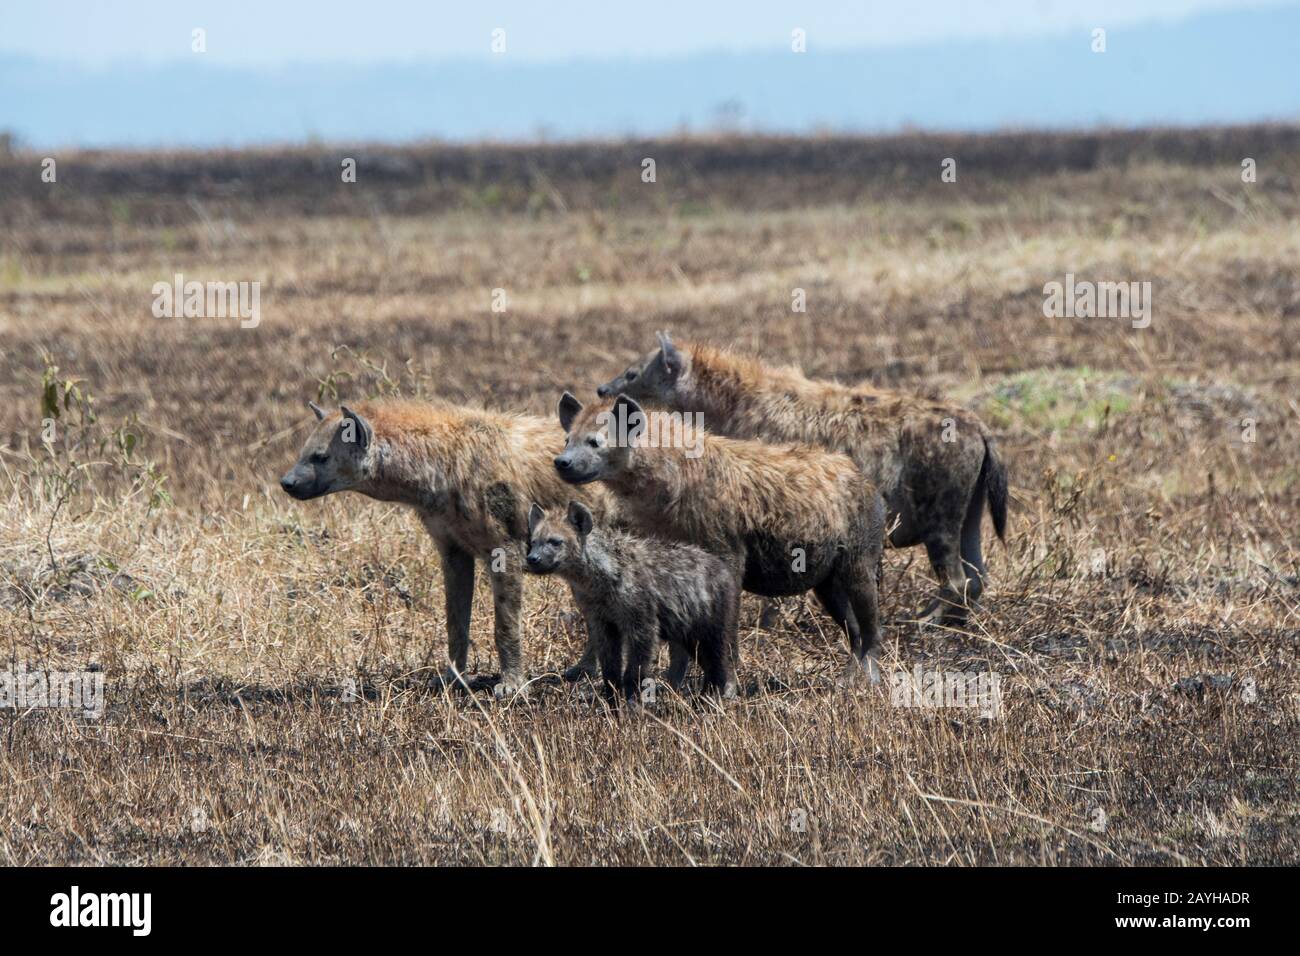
(76, 446)
(372, 375)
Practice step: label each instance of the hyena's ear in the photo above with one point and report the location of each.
(568, 409)
(535, 514)
(672, 355)
(580, 518)
(629, 415)
(319, 412)
(355, 430)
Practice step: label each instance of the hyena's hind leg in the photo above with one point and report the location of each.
(731, 614)
(972, 551)
(835, 600)
(717, 643)
(952, 604)
(679, 661)
(719, 668)
(851, 599)
(609, 648)
(864, 598)
(641, 643)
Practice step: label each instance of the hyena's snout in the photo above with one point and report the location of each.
(295, 485)
(541, 559)
(577, 468)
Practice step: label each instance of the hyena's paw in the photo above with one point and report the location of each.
(860, 673)
(930, 613)
(942, 612)
(511, 685)
(580, 672)
(955, 617)
(718, 694)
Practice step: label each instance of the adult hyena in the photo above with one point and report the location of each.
(934, 462)
(785, 519)
(637, 592)
(470, 475)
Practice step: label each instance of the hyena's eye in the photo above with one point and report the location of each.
(631, 375)
(319, 458)
(554, 542)
(592, 443)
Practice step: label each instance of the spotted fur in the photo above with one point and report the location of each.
(470, 475)
(934, 461)
(635, 592)
(787, 519)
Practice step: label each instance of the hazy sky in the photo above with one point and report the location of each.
(264, 32)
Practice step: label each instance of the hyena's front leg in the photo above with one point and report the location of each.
(587, 664)
(458, 582)
(507, 597)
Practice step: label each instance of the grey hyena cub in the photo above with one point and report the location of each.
(634, 592)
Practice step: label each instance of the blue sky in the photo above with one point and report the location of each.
(268, 33)
(79, 73)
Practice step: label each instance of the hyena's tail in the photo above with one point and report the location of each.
(993, 473)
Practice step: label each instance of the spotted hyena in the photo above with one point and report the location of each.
(934, 461)
(635, 592)
(785, 519)
(469, 474)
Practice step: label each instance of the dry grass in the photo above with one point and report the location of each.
(1143, 617)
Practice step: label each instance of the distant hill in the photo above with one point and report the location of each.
(1215, 68)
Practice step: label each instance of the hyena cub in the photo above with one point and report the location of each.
(634, 593)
